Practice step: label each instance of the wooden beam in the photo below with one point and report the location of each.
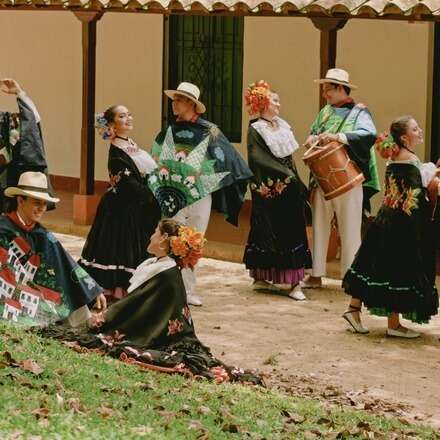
(328, 45)
(87, 174)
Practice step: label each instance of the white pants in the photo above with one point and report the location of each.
(348, 210)
(195, 216)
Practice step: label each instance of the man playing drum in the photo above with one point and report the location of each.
(343, 121)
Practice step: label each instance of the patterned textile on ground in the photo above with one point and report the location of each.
(153, 328)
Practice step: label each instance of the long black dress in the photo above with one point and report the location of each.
(277, 248)
(153, 325)
(394, 269)
(125, 219)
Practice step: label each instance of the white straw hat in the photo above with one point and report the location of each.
(32, 184)
(190, 91)
(337, 76)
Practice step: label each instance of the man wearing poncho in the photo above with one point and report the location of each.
(198, 169)
(351, 124)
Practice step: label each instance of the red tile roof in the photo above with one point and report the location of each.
(8, 275)
(13, 303)
(50, 295)
(22, 243)
(384, 9)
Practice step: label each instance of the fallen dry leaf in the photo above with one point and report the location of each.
(31, 366)
(105, 411)
(41, 412)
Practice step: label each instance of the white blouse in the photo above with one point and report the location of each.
(281, 142)
(144, 162)
(148, 269)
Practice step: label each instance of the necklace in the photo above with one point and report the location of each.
(411, 151)
(122, 138)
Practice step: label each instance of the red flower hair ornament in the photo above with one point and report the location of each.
(257, 97)
(386, 145)
(187, 247)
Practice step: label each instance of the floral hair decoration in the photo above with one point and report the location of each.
(386, 145)
(187, 246)
(101, 124)
(257, 97)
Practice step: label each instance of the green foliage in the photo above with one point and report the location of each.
(88, 396)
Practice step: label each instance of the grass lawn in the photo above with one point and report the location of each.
(67, 395)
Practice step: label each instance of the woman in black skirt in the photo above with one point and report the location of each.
(394, 269)
(277, 251)
(127, 213)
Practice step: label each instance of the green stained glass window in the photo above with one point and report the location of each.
(208, 51)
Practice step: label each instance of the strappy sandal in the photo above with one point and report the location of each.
(356, 326)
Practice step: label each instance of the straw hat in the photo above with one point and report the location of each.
(337, 76)
(32, 184)
(190, 91)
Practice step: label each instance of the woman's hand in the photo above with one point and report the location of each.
(10, 86)
(101, 302)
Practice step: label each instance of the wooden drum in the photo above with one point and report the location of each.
(333, 169)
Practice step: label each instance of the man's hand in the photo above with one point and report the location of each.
(310, 141)
(326, 138)
(10, 86)
(101, 302)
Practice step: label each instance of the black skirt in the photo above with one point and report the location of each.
(394, 269)
(125, 219)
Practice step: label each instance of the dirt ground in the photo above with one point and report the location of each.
(305, 347)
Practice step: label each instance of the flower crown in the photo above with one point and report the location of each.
(187, 246)
(257, 97)
(101, 124)
(386, 145)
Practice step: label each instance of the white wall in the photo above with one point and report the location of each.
(42, 50)
(389, 60)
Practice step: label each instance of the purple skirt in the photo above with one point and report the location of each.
(278, 276)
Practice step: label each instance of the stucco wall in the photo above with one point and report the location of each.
(42, 51)
(388, 60)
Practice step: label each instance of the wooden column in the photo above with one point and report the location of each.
(85, 203)
(328, 45)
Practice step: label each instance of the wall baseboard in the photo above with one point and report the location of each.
(71, 184)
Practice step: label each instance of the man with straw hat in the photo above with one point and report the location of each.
(351, 124)
(223, 183)
(40, 282)
(21, 142)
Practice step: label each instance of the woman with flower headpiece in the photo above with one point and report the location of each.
(127, 213)
(277, 251)
(152, 325)
(394, 270)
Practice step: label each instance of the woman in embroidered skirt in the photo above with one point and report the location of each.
(394, 269)
(277, 251)
(152, 326)
(127, 213)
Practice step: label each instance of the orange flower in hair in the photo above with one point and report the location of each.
(257, 97)
(187, 246)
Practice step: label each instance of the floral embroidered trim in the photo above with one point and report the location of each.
(114, 180)
(406, 200)
(271, 188)
(174, 326)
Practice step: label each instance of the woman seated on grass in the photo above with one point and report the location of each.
(152, 325)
